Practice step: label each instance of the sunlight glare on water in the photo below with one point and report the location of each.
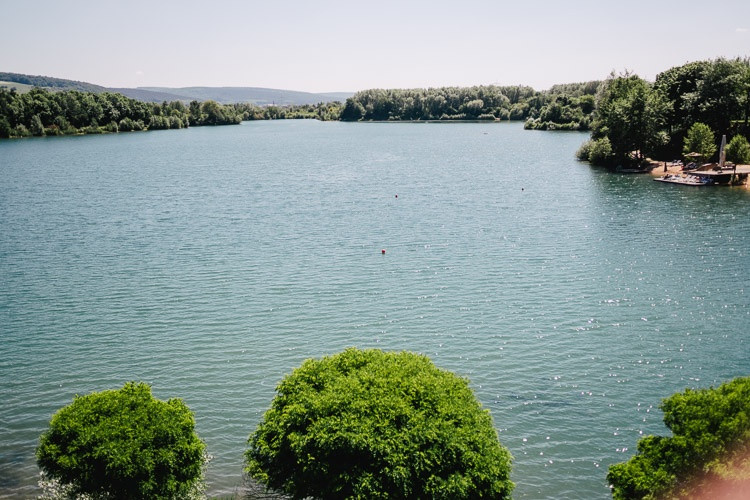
(210, 262)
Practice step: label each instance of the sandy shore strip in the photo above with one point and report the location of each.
(659, 168)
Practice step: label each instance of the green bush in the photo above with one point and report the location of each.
(20, 131)
(738, 150)
(707, 452)
(584, 151)
(601, 152)
(597, 152)
(371, 424)
(123, 444)
(699, 139)
(5, 128)
(37, 128)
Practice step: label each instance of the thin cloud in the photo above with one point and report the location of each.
(741, 30)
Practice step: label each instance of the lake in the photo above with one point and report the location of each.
(212, 261)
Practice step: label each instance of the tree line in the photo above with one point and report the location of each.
(372, 424)
(629, 118)
(40, 112)
(634, 119)
(562, 107)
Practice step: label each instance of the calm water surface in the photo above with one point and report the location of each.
(210, 262)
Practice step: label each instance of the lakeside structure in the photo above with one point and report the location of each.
(706, 175)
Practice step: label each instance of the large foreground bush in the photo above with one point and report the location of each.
(708, 455)
(372, 424)
(123, 444)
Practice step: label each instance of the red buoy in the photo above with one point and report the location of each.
(383, 251)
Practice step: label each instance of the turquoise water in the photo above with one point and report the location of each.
(210, 262)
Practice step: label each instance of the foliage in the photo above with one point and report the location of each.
(564, 107)
(431, 104)
(738, 150)
(584, 151)
(371, 424)
(596, 151)
(711, 92)
(123, 443)
(630, 114)
(564, 111)
(40, 112)
(700, 139)
(708, 448)
(324, 111)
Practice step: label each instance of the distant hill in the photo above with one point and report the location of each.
(144, 95)
(224, 95)
(256, 95)
(20, 87)
(49, 82)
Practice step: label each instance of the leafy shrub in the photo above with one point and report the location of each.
(37, 128)
(584, 151)
(708, 449)
(699, 139)
(126, 125)
(502, 114)
(596, 152)
(601, 152)
(158, 122)
(738, 150)
(371, 424)
(123, 444)
(20, 131)
(5, 128)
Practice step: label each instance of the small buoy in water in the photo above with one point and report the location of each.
(521, 189)
(382, 251)
(396, 196)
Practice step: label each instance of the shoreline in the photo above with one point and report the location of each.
(659, 168)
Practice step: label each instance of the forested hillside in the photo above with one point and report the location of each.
(50, 82)
(223, 95)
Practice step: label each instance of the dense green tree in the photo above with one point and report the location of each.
(473, 108)
(738, 150)
(630, 114)
(711, 92)
(372, 424)
(596, 151)
(723, 93)
(446, 103)
(707, 452)
(5, 127)
(41, 112)
(700, 139)
(125, 444)
(679, 86)
(563, 112)
(36, 127)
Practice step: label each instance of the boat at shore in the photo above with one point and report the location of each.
(685, 180)
(722, 173)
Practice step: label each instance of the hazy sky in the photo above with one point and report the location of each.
(349, 45)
